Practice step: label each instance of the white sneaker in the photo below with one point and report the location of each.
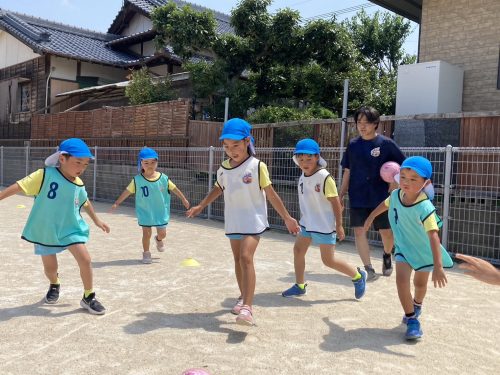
(160, 246)
(146, 257)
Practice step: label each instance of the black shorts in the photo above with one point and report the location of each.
(358, 217)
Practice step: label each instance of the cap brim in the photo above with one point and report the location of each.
(233, 137)
(321, 162)
(90, 156)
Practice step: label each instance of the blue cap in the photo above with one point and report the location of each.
(308, 146)
(236, 129)
(74, 147)
(146, 153)
(420, 165)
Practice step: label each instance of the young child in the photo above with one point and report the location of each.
(245, 182)
(55, 223)
(320, 219)
(415, 226)
(361, 162)
(152, 200)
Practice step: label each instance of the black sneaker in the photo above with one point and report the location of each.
(92, 305)
(387, 265)
(371, 275)
(52, 295)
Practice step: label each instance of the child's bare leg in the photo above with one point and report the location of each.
(403, 275)
(330, 260)
(161, 233)
(82, 257)
(420, 281)
(299, 258)
(50, 267)
(247, 251)
(146, 237)
(235, 247)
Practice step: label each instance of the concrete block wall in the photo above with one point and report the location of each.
(465, 33)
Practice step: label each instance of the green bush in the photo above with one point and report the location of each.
(288, 136)
(143, 89)
(273, 114)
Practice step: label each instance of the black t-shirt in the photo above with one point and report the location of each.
(364, 159)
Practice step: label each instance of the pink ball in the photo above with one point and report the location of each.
(195, 371)
(389, 170)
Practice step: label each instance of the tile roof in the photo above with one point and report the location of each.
(45, 36)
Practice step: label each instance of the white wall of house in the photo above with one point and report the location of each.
(107, 72)
(13, 51)
(67, 69)
(64, 68)
(137, 24)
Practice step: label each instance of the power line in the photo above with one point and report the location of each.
(354, 8)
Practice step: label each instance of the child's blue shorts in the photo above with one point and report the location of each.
(48, 250)
(239, 236)
(401, 259)
(319, 238)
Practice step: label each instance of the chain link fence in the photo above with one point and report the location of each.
(466, 181)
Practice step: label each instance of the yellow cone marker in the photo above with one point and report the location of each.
(21, 206)
(190, 262)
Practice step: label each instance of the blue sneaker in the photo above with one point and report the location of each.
(417, 309)
(295, 290)
(360, 285)
(413, 331)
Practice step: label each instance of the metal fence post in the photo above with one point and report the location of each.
(343, 128)
(447, 194)
(95, 174)
(210, 176)
(1, 165)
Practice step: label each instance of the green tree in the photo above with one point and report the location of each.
(283, 60)
(193, 30)
(379, 40)
(143, 89)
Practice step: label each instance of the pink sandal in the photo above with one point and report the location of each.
(245, 317)
(236, 309)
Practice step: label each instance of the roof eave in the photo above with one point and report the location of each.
(411, 9)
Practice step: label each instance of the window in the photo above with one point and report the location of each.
(24, 91)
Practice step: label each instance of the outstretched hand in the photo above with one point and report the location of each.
(439, 277)
(101, 224)
(479, 269)
(340, 233)
(194, 211)
(292, 226)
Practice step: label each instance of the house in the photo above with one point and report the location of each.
(41, 59)
(465, 33)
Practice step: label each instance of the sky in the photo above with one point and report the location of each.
(99, 14)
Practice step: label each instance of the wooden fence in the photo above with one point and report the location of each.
(163, 122)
